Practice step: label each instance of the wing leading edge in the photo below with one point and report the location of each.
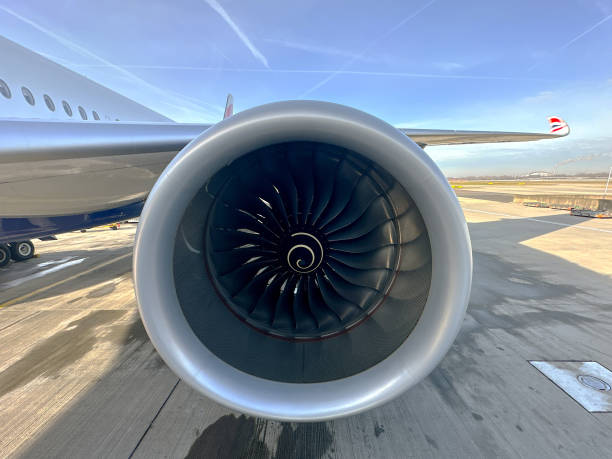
(35, 140)
(424, 137)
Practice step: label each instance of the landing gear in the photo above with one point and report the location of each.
(22, 250)
(5, 254)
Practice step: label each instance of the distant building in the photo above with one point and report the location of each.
(539, 174)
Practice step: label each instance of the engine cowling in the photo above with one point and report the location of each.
(302, 261)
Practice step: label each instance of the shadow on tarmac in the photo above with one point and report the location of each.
(496, 282)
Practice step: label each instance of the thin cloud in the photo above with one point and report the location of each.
(214, 4)
(314, 49)
(449, 66)
(576, 38)
(221, 53)
(174, 101)
(604, 7)
(542, 96)
(367, 48)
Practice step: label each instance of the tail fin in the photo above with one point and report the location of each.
(229, 106)
(558, 126)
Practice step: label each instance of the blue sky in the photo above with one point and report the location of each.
(432, 64)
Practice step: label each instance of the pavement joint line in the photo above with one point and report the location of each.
(55, 284)
(20, 320)
(154, 419)
(518, 217)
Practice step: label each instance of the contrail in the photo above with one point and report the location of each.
(177, 101)
(326, 50)
(589, 30)
(590, 157)
(445, 76)
(576, 38)
(367, 48)
(214, 4)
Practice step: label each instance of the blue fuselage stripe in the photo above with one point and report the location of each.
(15, 229)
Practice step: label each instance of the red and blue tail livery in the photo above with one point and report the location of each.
(558, 126)
(229, 107)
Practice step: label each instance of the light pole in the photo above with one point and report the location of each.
(607, 183)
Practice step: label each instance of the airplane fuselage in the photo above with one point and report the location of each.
(43, 197)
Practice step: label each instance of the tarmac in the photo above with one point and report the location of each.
(79, 377)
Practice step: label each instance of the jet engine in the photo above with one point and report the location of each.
(302, 261)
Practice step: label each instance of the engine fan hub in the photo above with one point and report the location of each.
(305, 252)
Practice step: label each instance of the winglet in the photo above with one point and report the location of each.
(558, 126)
(229, 106)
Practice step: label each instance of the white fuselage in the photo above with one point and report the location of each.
(68, 187)
(22, 68)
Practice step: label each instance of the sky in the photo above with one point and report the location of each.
(483, 65)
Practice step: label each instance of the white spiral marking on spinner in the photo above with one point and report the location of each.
(315, 259)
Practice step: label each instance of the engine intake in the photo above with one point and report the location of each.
(302, 261)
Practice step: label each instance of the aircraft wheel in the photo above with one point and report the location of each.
(5, 255)
(22, 250)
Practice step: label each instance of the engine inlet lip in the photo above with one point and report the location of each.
(309, 121)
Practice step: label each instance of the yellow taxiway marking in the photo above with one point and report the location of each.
(55, 284)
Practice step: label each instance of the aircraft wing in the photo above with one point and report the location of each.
(432, 137)
(558, 128)
(36, 140)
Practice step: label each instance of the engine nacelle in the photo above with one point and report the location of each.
(302, 261)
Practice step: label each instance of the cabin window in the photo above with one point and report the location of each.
(67, 108)
(4, 89)
(95, 115)
(49, 102)
(27, 95)
(82, 112)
